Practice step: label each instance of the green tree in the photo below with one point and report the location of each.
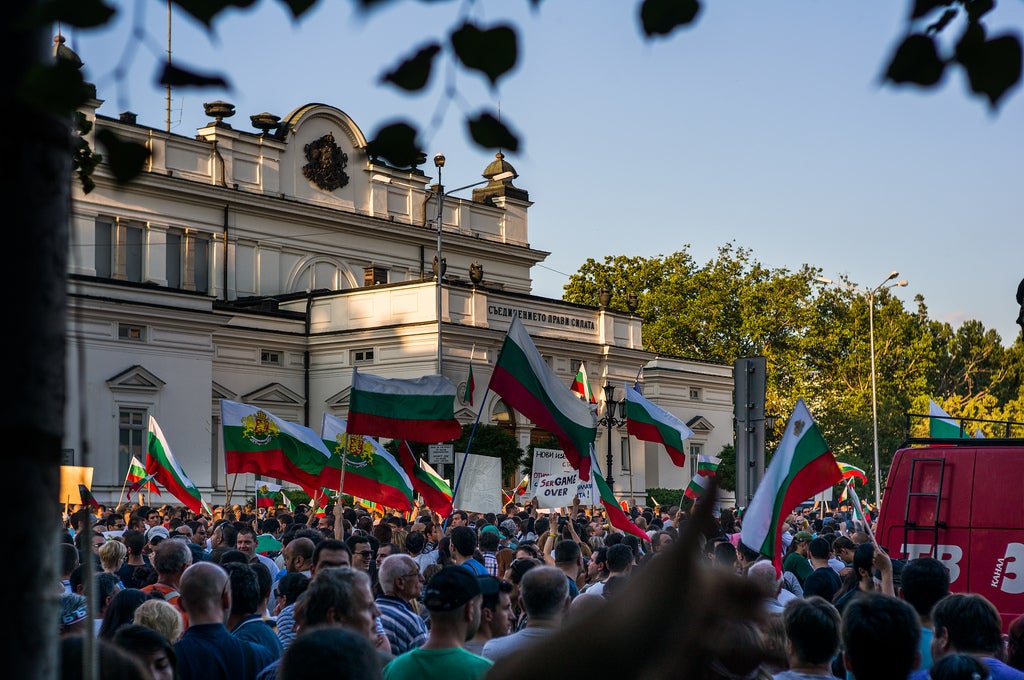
(488, 440)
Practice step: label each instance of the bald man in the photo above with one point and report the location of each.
(207, 650)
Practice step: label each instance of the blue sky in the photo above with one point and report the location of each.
(765, 125)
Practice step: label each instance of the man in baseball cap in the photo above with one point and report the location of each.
(798, 561)
(453, 597)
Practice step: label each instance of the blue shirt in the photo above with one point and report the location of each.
(474, 566)
(209, 652)
(406, 630)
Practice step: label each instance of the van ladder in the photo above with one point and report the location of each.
(910, 525)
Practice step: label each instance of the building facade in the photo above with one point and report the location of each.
(264, 265)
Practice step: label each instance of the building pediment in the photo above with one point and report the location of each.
(218, 392)
(136, 379)
(700, 425)
(274, 394)
(339, 400)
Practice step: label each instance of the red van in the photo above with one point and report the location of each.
(961, 501)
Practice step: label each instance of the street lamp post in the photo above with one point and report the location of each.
(869, 296)
(440, 266)
(610, 421)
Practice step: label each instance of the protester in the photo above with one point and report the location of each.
(923, 583)
(812, 627)
(453, 598)
(880, 638)
(545, 595)
(329, 653)
(161, 616)
(207, 650)
(496, 615)
(967, 623)
(151, 648)
(401, 584)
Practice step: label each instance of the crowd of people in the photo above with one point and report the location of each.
(265, 594)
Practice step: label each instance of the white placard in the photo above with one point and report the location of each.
(554, 481)
(479, 487)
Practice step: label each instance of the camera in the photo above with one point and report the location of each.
(561, 523)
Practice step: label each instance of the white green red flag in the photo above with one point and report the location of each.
(287, 502)
(649, 422)
(259, 442)
(581, 386)
(524, 380)
(436, 493)
(370, 471)
(852, 473)
(420, 409)
(520, 490)
(265, 492)
(617, 516)
(707, 467)
(318, 501)
(803, 466)
(136, 478)
(87, 497)
(164, 467)
(941, 425)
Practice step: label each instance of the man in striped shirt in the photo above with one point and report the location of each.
(401, 584)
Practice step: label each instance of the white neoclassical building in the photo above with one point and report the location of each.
(262, 265)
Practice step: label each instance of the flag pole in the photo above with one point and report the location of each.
(124, 486)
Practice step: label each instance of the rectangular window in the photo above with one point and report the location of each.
(133, 254)
(374, 276)
(173, 259)
(695, 394)
(270, 357)
(362, 356)
(131, 438)
(120, 250)
(695, 450)
(104, 249)
(624, 455)
(131, 332)
(188, 261)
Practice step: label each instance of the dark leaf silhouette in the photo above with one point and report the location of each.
(56, 87)
(923, 7)
(993, 66)
(661, 17)
(413, 73)
(206, 10)
(299, 7)
(126, 159)
(493, 51)
(180, 77)
(396, 143)
(78, 13)
(490, 133)
(916, 61)
(943, 21)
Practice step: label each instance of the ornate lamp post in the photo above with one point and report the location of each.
(610, 422)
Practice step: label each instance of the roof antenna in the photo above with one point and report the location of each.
(168, 64)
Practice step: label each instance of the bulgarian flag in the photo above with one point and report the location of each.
(518, 491)
(581, 386)
(420, 410)
(853, 473)
(164, 467)
(941, 425)
(87, 497)
(287, 502)
(858, 510)
(259, 442)
(651, 423)
(617, 516)
(136, 478)
(265, 492)
(371, 472)
(803, 465)
(436, 493)
(707, 467)
(523, 379)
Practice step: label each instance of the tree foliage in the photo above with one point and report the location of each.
(817, 343)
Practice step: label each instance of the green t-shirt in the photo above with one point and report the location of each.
(799, 565)
(437, 664)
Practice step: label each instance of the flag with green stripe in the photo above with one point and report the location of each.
(420, 410)
(803, 465)
(524, 380)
